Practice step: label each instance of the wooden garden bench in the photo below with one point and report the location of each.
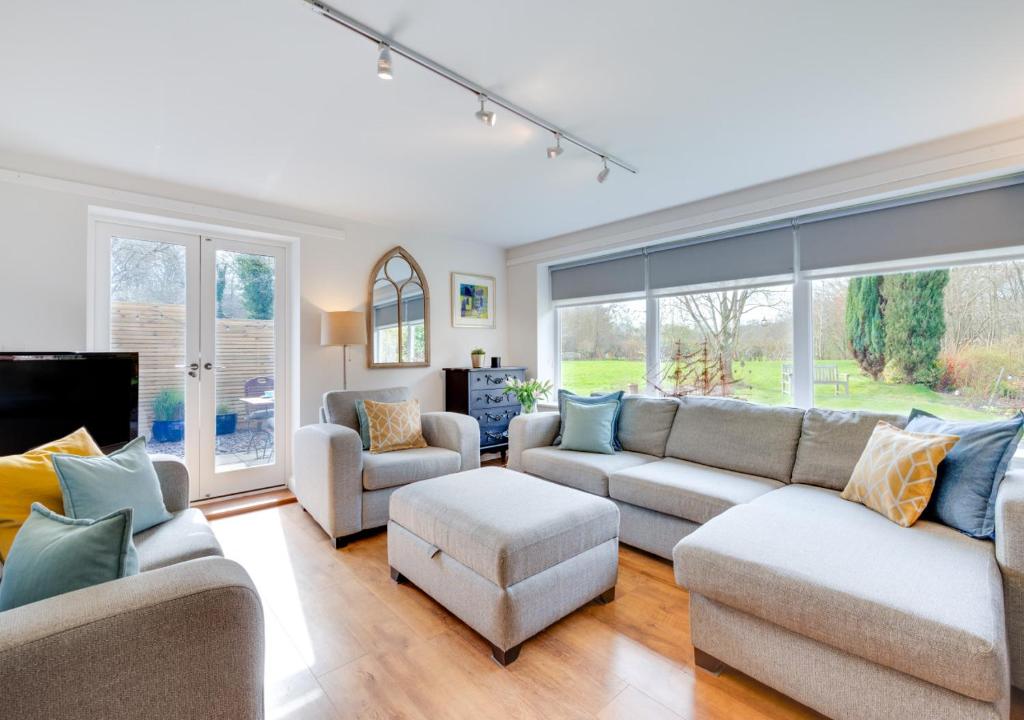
(823, 375)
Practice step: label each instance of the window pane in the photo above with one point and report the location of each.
(735, 343)
(602, 347)
(950, 342)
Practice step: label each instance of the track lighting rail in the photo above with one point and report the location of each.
(426, 63)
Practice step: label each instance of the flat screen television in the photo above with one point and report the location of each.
(44, 396)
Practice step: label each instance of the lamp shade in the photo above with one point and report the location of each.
(344, 327)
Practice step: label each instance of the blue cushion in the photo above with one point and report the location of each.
(968, 479)
(589, 426)
(616, 397)
(53, 554)
(364, 424)
(97, 486)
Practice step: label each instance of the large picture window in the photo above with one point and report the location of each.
(736, 343)
(948, 341)
(602, 347)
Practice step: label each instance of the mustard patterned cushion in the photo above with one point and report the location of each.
(896, 472)
(394, 426)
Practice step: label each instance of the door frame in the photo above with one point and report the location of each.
(97, 328)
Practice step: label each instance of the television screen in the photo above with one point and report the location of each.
(44, 396)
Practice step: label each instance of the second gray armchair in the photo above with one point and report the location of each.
(345, 488)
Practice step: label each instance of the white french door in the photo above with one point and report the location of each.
(206, 316)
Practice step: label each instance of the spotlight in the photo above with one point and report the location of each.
(384, 63)
(603, 175)
(556, 149)
(487, 117)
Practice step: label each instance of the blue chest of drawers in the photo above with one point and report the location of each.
(480, 393)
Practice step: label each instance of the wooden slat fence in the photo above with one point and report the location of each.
(157, 332)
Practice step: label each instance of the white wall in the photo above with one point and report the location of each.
(43, 278)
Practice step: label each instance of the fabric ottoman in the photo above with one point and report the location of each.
(507, 553)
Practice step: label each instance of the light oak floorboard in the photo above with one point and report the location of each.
(344, 641)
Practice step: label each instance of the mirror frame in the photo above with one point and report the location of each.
(397, 251)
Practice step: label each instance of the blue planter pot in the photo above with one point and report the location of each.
(166, 431)
(227, 424)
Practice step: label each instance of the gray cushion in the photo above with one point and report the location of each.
(924, 600)
(504, 525)
(186, 536)
(584, 471)
(831, 443)
(736, 435)
(687, 490)
(645, 422)
(340, 405)
(402, 467)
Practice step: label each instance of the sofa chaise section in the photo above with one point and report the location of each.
(923, 604)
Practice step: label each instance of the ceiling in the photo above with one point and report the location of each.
(266, 100)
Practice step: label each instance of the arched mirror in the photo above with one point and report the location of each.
(398, 319)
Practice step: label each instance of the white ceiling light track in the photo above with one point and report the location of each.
(387, 46)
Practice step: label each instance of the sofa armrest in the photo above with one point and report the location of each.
(1009, 544)
(173, 481)
(530, 431)
(182, 641)
(328, 478)
(454, 431)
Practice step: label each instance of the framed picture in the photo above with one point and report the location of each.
(472, 300)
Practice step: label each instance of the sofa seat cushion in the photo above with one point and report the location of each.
(925, 600)
(502, 524)
(686, 490)
(402, 467)
(186, 536)
(581, 470)
(736, 435)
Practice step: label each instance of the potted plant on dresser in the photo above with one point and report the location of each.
(169, 415)
(528, 392)
(477, 356)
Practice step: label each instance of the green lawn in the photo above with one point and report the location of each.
(762, 383)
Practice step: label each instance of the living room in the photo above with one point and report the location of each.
(536, 361)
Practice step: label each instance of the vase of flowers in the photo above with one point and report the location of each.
(528, 392)
(477, 356)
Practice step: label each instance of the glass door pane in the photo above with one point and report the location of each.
(245, 373)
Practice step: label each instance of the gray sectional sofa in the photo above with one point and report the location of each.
(182, 639)
(819, 597)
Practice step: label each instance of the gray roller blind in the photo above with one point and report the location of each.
(768, 253)
(613, 276)
(387, 315)
(982, 220)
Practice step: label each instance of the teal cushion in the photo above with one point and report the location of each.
(53, 554)
(97, 486)
(589, 427)
(969, 477)
(564, 395)
(364, 424)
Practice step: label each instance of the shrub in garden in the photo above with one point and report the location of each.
(865, 323)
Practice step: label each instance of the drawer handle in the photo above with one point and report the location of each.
(496, 436)
(491, 380)
(494, 418)
(496, 399)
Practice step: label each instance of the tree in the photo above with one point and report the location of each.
(257, 277)
(222, 281)
(865, 323)
(915, 323)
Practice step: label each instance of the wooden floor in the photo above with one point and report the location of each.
(344, 641)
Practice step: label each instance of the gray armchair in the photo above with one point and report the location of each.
(346, 489)
(182, 639)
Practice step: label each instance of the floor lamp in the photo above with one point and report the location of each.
(344, 328)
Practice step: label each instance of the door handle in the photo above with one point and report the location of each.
(193, 369)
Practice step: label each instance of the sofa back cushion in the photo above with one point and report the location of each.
(340, 405)
(832, 442)
(645, 422)
(736, 435)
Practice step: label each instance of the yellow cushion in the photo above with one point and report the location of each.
(29, 478)
(896, 472)
(394, 426)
